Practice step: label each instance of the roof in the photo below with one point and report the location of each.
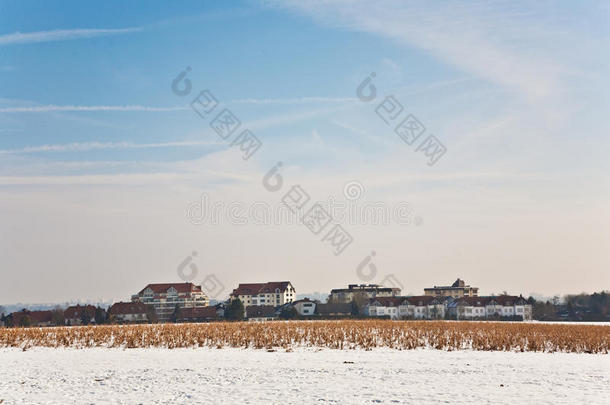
(457, 285)
(304, 300)
(124, 308)
(387, 301)
(504, 300)
(260, 311)
(260, 288)
(326, 309)
(420, 300)
(35, 316)
(180, 287)
(417, 300)
(507, 300)
(76, 311)
(363, 288)
(198, 313)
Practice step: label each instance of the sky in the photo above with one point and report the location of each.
(108, 177)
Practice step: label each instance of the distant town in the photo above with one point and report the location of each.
(277, 300)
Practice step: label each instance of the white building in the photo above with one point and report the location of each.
(418, 307)
(490, 307)
(274, 293)
(344, 295)
(305, 307)
(165, 297)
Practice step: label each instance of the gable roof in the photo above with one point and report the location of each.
(507, 300)
(261, 288)
(421, 300)
(471, 301)
(76, 311)
(387, 301)
(304, 300)
(125, 308)
(35, 316)
(162, 288)
(417, 300)
(504, 300)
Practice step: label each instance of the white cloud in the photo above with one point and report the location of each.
(297, 100)
(492, 43)
(87, 146)
(87, 108)
(60, 35)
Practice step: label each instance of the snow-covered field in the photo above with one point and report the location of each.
(132, 376)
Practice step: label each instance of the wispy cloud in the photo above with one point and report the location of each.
(86, 108)
(87, 146)
(61, 35)
(89, 108)
(496, 44)
(297, 100)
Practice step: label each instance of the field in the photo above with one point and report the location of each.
(304, 375)
(372, 361)
(346, 334)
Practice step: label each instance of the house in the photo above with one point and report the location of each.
(259, 313)
(456, 290)
(509, 306)
(164, 298)
(384, 306)
(198, 314)
(503, 306)
(417, 307)
(331, 309)
(75, 314)
(305, 307)
(129, 312)
(468, 308)
(274, 293)
(32, 318)
(423, 307)
(368, 291)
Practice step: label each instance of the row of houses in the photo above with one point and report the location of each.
(412, 307)
(429, 307)
(186, 302)
(455, 301)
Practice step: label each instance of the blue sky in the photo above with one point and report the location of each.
(99, 159)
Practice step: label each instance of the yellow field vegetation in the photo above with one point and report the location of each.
(341, 334)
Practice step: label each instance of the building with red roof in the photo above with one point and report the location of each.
(273, 293)
(164, 298)
(129, 312)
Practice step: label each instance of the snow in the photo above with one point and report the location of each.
(204, 375)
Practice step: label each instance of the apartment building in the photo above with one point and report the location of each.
(273, 293)
(165, 297)
(490, 307)
(416, 307)
(345, 295)
(456, 290)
